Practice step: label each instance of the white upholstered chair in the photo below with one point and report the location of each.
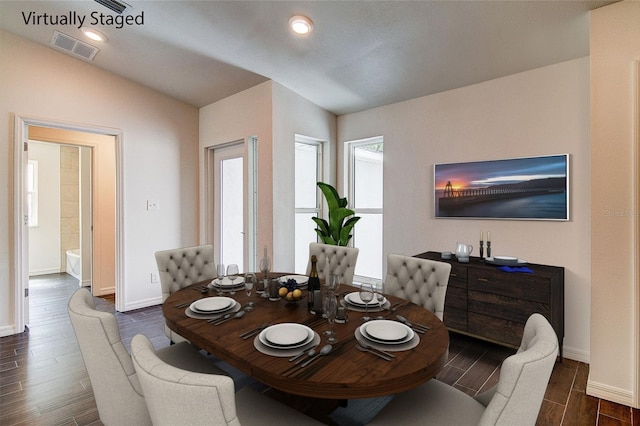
(514, 400)
(421, 281)
(178, 397)
(181, 267)
(113, 377)
(342, 260)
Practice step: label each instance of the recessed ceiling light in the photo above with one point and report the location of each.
(300, 24)
(94, 35)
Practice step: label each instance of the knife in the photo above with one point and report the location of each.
(253, 331)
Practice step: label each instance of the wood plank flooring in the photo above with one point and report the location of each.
(43, 380)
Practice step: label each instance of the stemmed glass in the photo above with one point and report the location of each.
(220, 275)
(331, 308)
(366, 295)
(379, 290)
(265, 267)
(249, 280)
(232, 273)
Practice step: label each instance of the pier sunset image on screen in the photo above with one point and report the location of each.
(535, 188)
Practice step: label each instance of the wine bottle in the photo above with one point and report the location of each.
(313, 284)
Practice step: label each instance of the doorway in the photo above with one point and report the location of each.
(59, 210)
(231, 202)
(105, 223)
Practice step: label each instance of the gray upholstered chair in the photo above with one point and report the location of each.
(421, 281)
(514, 400)
(178, 397)
(181, 267)
(113, 377)
(342, 260)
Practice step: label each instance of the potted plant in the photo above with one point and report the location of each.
(337, 231)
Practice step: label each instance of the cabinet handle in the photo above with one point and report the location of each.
(453, 275)
(484, 280)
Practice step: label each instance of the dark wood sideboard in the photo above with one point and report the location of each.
(485, 302)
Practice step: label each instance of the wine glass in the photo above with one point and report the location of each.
(380, 297)
(331, 308)
(334, 283)
(232, 274)
(220, 275)
(249, 280)
(265, 267)
(366, 295)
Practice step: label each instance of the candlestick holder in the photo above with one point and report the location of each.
(481, 249)
(488, 248)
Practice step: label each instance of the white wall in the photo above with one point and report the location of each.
(160, 138)
(44, 239)
(293, 114)
(240, 117)
(615, 88)
(540, 112)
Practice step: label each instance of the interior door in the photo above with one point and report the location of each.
(230, 204)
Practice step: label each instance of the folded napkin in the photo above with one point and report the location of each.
(516, 269)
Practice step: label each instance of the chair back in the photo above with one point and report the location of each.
(181, 267)
(342, 260)
(175, 396)
(421, 281)
(524, 377)
(113, 377)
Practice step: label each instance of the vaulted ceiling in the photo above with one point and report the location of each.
(361, 54)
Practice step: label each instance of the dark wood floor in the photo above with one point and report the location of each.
(43, 380)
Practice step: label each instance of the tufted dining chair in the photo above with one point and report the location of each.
(113, 377)
(421, 281)
(342, 260)
(514, 400)
(181, 267)
(178, 397)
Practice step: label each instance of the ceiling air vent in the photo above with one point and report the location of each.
(117, 6)
(73, 46)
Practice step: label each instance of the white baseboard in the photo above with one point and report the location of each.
(7, 330)
(610, 393)
(576, 354)
(45, 272)
(143, 303)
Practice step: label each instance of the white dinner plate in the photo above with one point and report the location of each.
(386, 332)
(210, 305)
(302, 280)
(286, 336)
(226, 282)
(354, 299)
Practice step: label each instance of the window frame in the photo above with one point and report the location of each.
(349, 188)
(319, 209)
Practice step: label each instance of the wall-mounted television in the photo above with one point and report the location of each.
(529, 188)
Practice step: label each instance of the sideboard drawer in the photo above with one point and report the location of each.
(503, 307)
(521, 286)
(495, 329)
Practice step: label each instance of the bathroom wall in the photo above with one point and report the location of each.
(44, 239)
(69, 202)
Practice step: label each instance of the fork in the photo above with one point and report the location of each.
(385, 353)
(363, 349)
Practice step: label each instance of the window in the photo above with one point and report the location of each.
(32, 193)
(308, 172)
(364, 171)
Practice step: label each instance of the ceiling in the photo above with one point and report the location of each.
(360, 55)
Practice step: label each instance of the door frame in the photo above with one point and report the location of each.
(20, 231)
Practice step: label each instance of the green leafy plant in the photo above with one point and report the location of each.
(337, 231)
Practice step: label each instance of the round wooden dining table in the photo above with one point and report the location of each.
(345, 373)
